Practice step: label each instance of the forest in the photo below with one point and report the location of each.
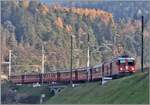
(26, 26)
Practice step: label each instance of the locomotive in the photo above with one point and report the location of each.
(116, 66)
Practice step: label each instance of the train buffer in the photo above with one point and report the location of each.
(105, 80)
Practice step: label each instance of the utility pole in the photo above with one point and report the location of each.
(113, 38)
(10, 63)
(88, 59)
(71, 47)
(142, 47)
(69, 30)
(43, 61)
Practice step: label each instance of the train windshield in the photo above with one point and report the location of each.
(121, 62)
(130, 62)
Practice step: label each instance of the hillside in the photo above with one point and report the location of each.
(132, 89)
(28, 25)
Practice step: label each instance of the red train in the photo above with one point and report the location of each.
(116, 66)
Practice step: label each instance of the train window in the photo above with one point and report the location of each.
(131, 63)
(53, 74)
(95, 70)
(82, 72)
(64, 73)
(48, 75)
(120, 62)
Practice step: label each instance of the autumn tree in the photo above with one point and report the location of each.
(43, 9)
(24, 4)
(59, 22)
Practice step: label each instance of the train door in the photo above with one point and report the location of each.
(95, 73)
(110, 68)
(58, 76)
(76, 75)
(53, 77)
(107, 68)
(103, 69)
(82, 75)
(115, 67)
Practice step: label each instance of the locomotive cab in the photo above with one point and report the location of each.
(126, 64)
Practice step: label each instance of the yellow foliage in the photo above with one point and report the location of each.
(25, 3)
(73, 10)
(105, 17)
(86, 12)
(68, 28)
(66, 9)
(59, 22)
(93, 13)
(44, 9)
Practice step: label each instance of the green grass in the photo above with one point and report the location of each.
(128, 90)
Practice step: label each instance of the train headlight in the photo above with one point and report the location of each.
(121, 69)
(132, 68)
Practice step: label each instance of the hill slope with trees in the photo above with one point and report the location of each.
(27, 25)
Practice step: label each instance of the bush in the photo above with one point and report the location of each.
(29, 100)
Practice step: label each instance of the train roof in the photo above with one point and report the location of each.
(66, 70)
(126, 58)
(123, 57)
